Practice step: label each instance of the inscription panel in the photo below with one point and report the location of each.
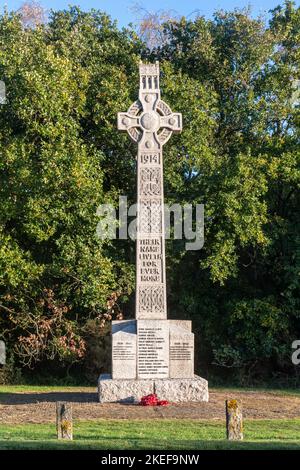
(124, 350)
(150, 260)
(181, 353)
(153, 349)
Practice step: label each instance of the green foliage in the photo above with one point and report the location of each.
(246, 172)
(9, 373)
(256, 330)
(55, 273)
(98, 349)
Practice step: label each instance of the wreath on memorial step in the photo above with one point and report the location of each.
(152, 400)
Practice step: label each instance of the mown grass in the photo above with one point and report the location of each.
(145, 434)
(277, 391)
(44, 389)
(155, 434)
(78, 388)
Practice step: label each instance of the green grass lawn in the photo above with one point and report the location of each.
(43, 388)
(277, 391)
(155, 434)
(145, 434)
(84, 388)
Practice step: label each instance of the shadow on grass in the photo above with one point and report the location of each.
(146, 444)
(30, 398)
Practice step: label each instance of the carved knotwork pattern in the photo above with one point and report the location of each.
(136, 131)
(150, 182)
(151, 299)
(150, 217)
(134, 110)
(164, 135)
(163, 108)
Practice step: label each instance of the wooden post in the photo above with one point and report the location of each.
(64, 424)
(234, 420)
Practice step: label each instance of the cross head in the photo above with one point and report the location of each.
(149, 121)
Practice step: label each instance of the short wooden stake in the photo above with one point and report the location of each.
(64, 423)
(234, 420)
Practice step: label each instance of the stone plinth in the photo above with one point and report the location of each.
(122, 390)
(152, 349)
(182, 390)
(131, 391)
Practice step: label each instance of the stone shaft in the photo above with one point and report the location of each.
(150, 122)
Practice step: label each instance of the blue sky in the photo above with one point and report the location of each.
(121, 9)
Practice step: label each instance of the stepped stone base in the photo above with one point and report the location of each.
(132, 390)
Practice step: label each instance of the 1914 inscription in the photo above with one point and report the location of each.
(150, 158)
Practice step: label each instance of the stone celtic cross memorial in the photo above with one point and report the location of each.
(151, 353)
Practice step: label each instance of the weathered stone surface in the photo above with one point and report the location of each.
(153, 349)
(2, 353)
(234, 420)
(150, 123)
(149, 351)
(182, 390)
(185, 324)
(131, 391)
(181, 352)
(64, 422)
(122, 390)
(124, 351)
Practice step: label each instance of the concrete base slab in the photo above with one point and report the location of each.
(131, 390)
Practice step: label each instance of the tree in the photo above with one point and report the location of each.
(55, 272)
(249, 184)
(32, 14)
(151, 25)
